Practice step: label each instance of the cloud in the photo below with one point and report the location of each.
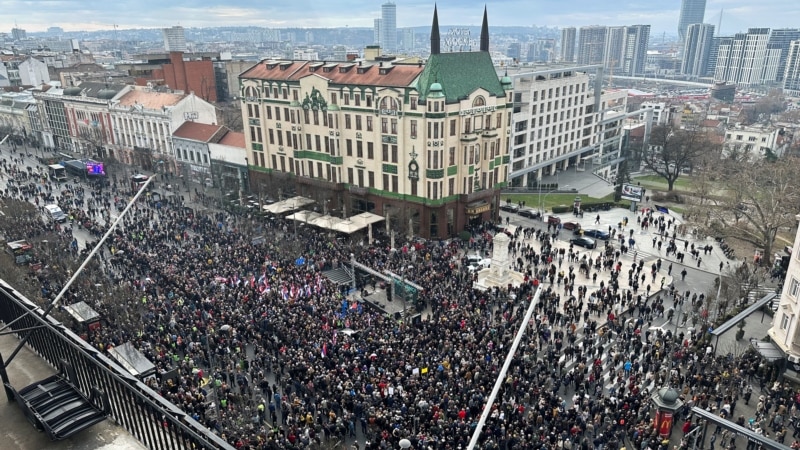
(37, 15)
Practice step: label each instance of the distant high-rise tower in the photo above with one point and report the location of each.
(692, 11)
(18, 34)
(389, 27)
(782, 38)
(592, 44)
(376, 31)
(697, 49)
(568, 36)
(174, 39)
(408, 39)
(741, 58)
(634, 53)
(613, 55)
(791, 74)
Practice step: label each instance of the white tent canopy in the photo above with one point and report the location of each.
(304, 216)
(366, 218)
(290, 204)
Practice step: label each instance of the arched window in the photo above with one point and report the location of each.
(479, 101)
(388, 104)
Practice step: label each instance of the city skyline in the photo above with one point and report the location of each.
(92, 16)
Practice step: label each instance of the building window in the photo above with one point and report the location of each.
(785, 322)
(370, 150)
(452, 127)
(359, 149)
(349, 146)
(794, 287)
(370, 176)
(414, 103)
(358, 122)
(385, 153)
(452, 157)
(384, 125)
(369, 123)
(347, 121)
(413, 129)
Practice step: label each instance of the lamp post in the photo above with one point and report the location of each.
(540, 194)
(542, 201)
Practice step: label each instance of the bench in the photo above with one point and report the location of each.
(56, 406)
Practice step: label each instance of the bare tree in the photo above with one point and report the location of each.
(756, 200)
(674, 150)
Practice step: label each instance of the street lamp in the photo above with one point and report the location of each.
(540, 194)
(542, 201)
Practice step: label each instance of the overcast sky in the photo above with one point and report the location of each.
(662, 15)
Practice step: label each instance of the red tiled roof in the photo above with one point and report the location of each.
(233, 139)
(710, 123)
(395, 76)
(197, 131)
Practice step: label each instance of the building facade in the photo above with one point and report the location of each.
(791, 74)
(15, 116)
(785, 332)
(634, 56)
(88, 118)
(568, 41)
(423, 145)
(740, 59)
(174, 39)
(752, 141)
(143, 121)
(592, 45)
(697, 50)
(781, 38)
(54, 130)
(191, 142)
(692, 11)
(563, 118)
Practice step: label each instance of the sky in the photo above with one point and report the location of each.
(662, 15)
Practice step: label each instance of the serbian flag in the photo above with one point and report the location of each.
(324, 349)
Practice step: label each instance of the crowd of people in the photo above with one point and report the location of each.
(253, 341)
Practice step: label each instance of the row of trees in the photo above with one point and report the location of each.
(732, 195)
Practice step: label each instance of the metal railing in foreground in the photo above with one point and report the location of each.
(155, 422)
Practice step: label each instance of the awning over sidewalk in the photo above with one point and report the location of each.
(479, 207)
(768, 350)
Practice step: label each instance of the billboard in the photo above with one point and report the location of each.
(632, 192)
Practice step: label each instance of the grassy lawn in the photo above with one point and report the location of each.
(656, 182)
(550, 200)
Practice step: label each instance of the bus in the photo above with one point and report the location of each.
(57, 172)
(84, 168)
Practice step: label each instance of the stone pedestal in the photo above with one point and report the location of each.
(499, 272)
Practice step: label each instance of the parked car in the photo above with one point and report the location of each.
(509, 207)
(571, 226)
(529, 213)
(582, 241)
(553, 220)
(596, 234)
(475, 266)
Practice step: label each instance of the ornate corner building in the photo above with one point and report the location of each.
(423, 144)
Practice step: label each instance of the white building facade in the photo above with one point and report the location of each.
(563, 119)
(785, 332)
(143, 122)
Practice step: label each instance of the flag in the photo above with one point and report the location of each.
(324, 349)
(335, 333)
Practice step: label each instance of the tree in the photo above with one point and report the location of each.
(673, 150)
(756, 200)
(92, 137)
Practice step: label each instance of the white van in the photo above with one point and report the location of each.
(55, 213)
